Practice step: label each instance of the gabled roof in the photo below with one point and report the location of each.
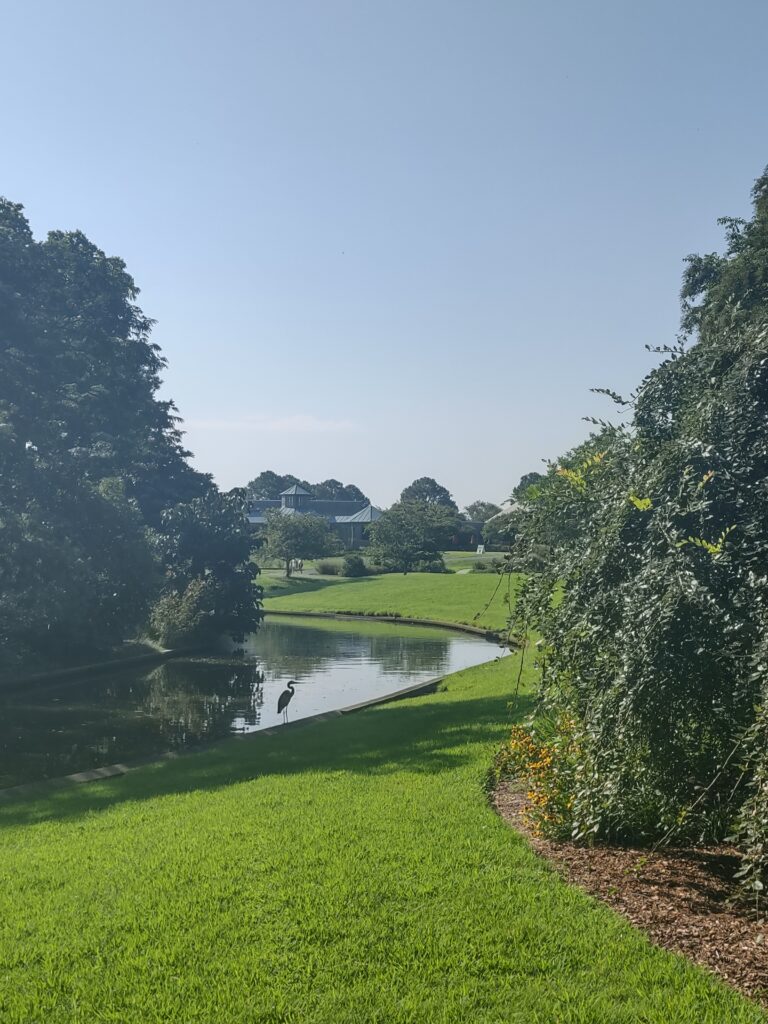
(295, 489)
(369, 514)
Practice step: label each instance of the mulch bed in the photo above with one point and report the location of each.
(680, 897)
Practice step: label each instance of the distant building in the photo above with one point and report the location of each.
(348, 519)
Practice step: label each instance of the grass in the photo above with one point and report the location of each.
(345, 872)
(455, 560)
(447, 598)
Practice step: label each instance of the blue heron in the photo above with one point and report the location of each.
(284, 700)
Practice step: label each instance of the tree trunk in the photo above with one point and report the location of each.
(288, 568)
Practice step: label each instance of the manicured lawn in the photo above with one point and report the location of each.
(466, 559)
(447, 598)
(345, 872)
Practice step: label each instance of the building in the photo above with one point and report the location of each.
(348, 519)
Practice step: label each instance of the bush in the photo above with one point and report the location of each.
(353, 565)
(328, 568)
(434, 564)
(179, 616)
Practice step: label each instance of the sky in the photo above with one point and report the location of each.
(395, 239)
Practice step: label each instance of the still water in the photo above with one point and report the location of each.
(52, 730)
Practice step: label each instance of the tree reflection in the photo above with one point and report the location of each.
(289, 649)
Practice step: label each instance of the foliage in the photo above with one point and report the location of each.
(90, 458)
(480, 511)
(353, 565)
(500, 530)
(179, 616)
(207, 541)
(335, 490)
(429, 492)
(270, 485)
(328, 569)
(298, 536)
(527, 480)
(655, 535)
(411, 535)
(547, 764)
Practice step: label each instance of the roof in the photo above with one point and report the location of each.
(369, 514)
(295, 489)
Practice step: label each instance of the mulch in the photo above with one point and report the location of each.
(680, 897)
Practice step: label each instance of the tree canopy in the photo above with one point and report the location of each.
(298, 536)
(481, 511)
(270, 485)
(90, 458)
(429, 491)
(411, 536)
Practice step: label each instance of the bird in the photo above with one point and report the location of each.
(284, 700)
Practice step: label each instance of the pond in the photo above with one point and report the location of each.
(122, 716)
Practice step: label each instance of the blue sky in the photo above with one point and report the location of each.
(394, 239)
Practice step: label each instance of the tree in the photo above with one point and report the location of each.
(412, 536)
(481, 511)
(430, 491)
(206, 550)
(90, 457)
(270, 485)
(298, 536)
(335, 490)
(526, 481)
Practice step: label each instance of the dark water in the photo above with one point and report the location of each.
(47, 731)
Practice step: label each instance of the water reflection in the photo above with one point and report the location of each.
(51, 731)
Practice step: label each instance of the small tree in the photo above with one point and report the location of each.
(412, 536)
(298, 536)
(429, 491)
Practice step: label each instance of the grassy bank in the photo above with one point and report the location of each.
(448, 598)
(348, 871)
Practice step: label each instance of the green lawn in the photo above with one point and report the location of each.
(346, 872)
(447, 598)
(456, 560)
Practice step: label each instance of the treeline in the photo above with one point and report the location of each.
(105, 528)
(647, 549)
(270, 485)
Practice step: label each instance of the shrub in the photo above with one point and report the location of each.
(179, 616)
(432, 564)
(545, 764)
(353, 565)
(328, 568)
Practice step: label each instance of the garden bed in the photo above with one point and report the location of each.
(680, 897)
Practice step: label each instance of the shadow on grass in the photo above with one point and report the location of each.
(428, 735)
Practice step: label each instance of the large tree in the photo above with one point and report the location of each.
(481, 511)
(411, 536)
(335, 490)
(429, 491)
(90, 457)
